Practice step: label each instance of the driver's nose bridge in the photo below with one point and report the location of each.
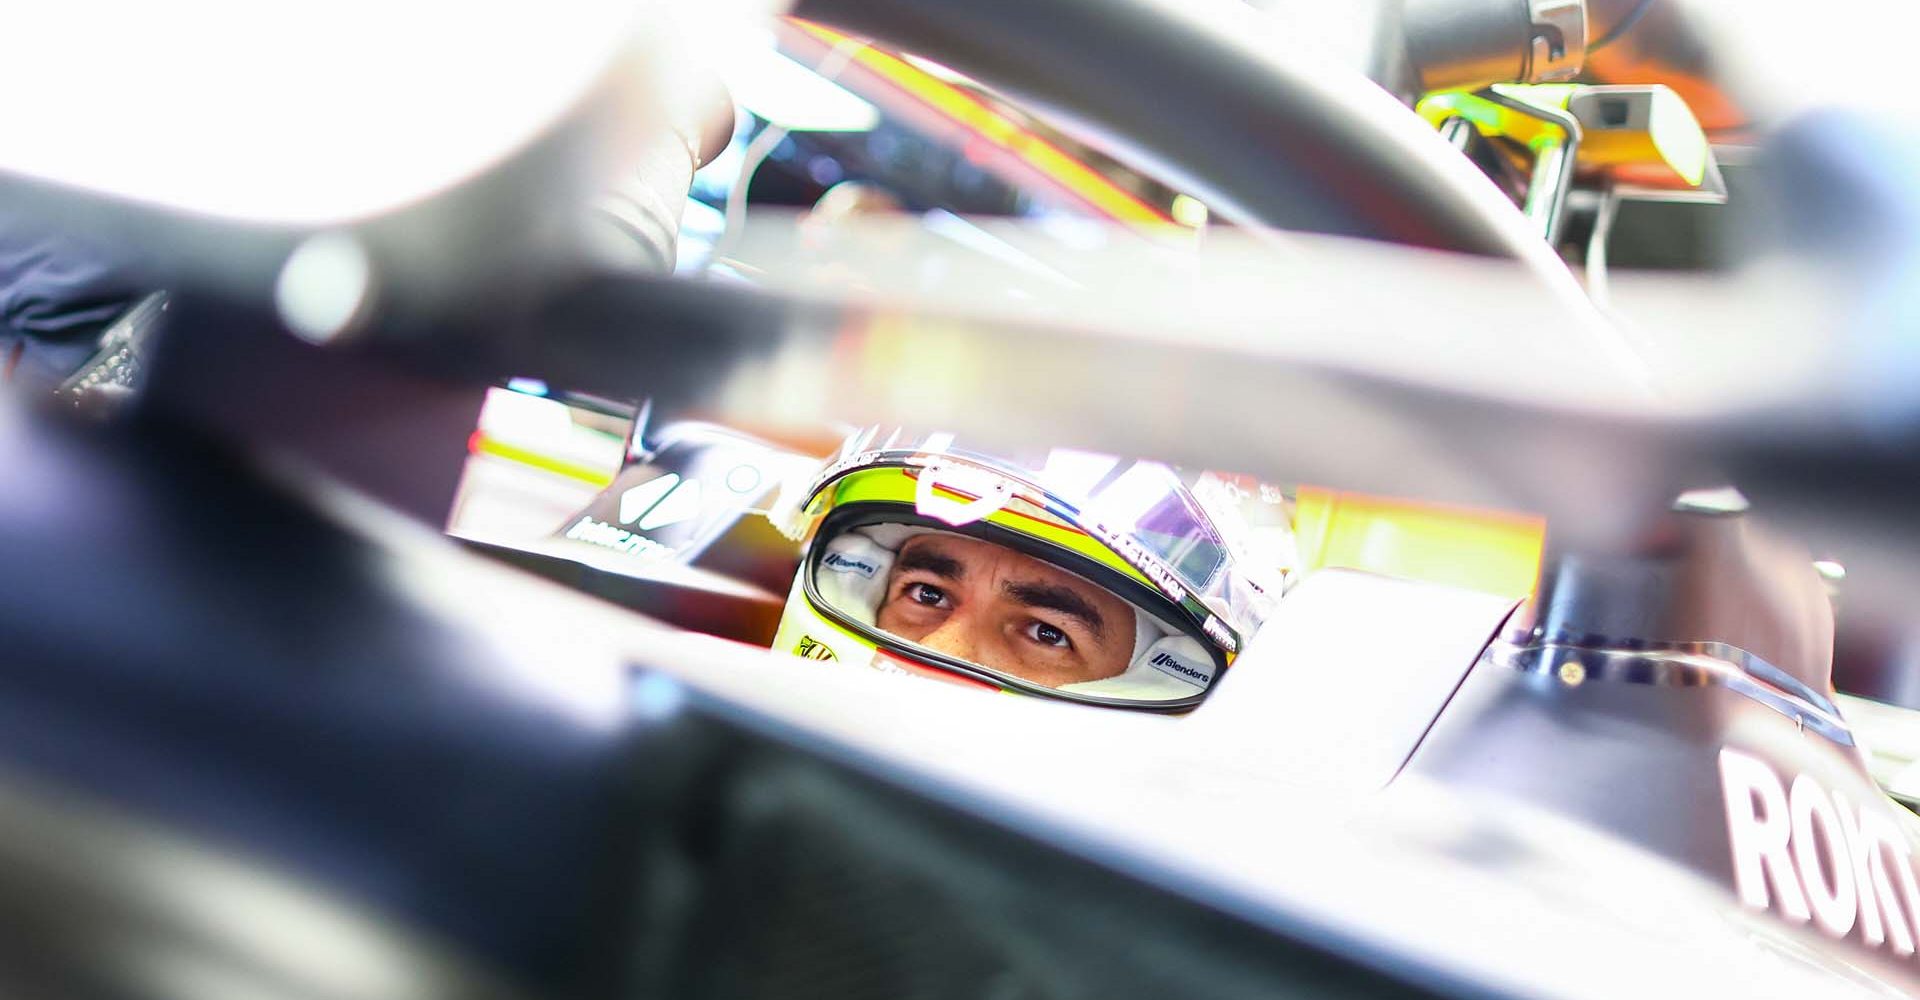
(958, 635)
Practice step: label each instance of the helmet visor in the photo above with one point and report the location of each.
(1004, 606)
(1139, 512)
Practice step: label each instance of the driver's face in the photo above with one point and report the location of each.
(987, 604)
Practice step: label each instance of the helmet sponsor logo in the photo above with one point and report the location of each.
(1218, 631)
(1149, 565)
(1171, 664)
(841, 563)
(1810, 854)
(813, 649)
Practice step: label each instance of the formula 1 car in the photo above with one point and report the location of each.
(269, 732)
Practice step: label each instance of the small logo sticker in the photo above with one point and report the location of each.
(1171, 664)
(813, 649)
(848, 564)
(1218, 631)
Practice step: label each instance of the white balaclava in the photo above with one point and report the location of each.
(1165, 666)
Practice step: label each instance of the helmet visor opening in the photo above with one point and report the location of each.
(995, 603)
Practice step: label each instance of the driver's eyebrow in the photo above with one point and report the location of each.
(926, 557)
(1057, 598)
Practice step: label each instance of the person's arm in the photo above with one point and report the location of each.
(58, 293)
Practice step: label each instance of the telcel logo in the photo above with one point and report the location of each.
(1167, 661)
(1809, 854)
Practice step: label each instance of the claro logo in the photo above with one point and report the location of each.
(1810, 854)
(1168, 662)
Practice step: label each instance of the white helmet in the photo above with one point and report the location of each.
(1077, 576)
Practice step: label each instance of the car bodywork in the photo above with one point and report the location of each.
(473, 782)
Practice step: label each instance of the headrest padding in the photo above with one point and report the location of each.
(1168, 669)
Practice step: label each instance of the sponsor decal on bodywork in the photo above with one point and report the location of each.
(1810, 854)
(594, 531)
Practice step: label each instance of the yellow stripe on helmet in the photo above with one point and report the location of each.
(898, 485)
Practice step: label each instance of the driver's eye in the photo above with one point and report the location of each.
(925, 593)
(1047, 635)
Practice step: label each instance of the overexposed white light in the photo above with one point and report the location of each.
(1906, 781)
(305, 114)
(793, 96)
(1189, 211)
(1070, 471)
(324, 286)
(943, 223)
(516, 416)
(683, 504)
(743, 478)
(1830, 65)
(1723, 500)
(639, 499)
(946, 74)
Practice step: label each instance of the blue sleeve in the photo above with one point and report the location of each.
(58, 291)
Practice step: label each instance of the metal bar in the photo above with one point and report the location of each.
(1553, 164)
(1598, 287)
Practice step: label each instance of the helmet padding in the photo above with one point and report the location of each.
(1168, 668)
(853, 575)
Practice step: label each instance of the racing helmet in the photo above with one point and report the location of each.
(1074, 575)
